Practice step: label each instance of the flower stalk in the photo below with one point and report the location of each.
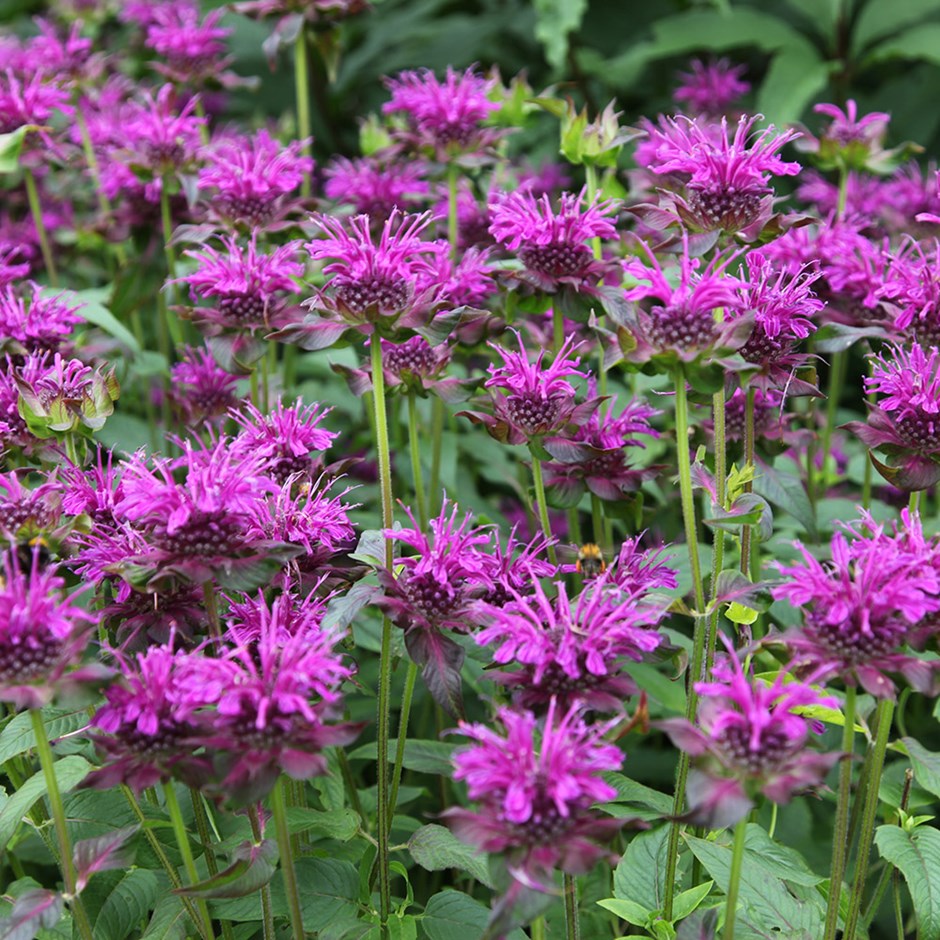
(734, 878)
(35, 208)
(302, 88)
(279, 811)
(542, 505)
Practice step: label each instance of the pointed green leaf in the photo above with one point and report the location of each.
(127, 905)
(926, 765)
(252, 867)
(17, 737)
(917, 856)
(640, 876)
(436, 848)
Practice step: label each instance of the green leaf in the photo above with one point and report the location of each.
(17, 737)
(10, 147)
(555, 19)
(127, 905)
(878, 20)
(795, 76)
(92, 309)
(436, 848)
(717, 31)
(452, 915)
(169, 921)
(918, 42)
(426, 757)
(341, 824)
(687, 901)
(629, 911)
(69, 772)
(329, 889)
(766, 903)
(786, 492)
(670, 693)
(926, 765)
(738, 613)
(629, 791)
(917, 856)
(640, 876)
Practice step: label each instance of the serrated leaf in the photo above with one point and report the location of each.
(69, 772)
(340, 824)
(687, 901)
(426, 757)
(917, 856)
(436, 848)
(17, 737)
(640, 876)
(169, 921)
(630, 791)
(330, 890)
(452, 915)
(926, 765)
(252, 867)
(786, 491)
(127, 905)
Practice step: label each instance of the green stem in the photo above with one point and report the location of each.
(718, 557)
(542, 505)
(537, 930)
(267, 910)
(437, 436)
(279, 810)
(884, 715)
(558, 329)
(200, 112)
(182, 841)
(410, 678)
(290, 366)
(212, 609)
(841, 832)
(302, 88)
(202, 827)
(415, 450)
(734, 878)
(890, 873)
(913, 501)
(837, 374)
(35, 208)
(698, 640)
(572, 926)
(574, 526)
(54, 795)
(843, 192)
(385, 810)
(349, 782)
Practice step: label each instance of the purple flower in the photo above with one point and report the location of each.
(196, 512)
(434, 590)
(42, 323)
(533, 400)
(14, 263)
(635, 570)
(277, 690)
(446, 117)
(727, 178)
(910, 288)
(285, 439)
(536, 784)
(781, 305)
(202, 392)
(865, 195)
(906, 421)
(553, 246)
(672, 313)
(571, 649)
(515, 569)
(194, 50)
(373, 284)
(849, 142)
(468, 282)
(252, 177)
(31, 100)
(43, 634)
(749, 738)
(711, 88)
(374, 188)
(244, 286)
(597, 460)
(859, 608)
(150, 721)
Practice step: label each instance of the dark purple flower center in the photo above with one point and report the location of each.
(545, 826)
(610, 464)
(926, 330)
(766, 350)
(735, 743)
(243, 308)
(533, 413)
(556, 261)
(34, 655)
(724, 208)
(283, 466)
(205, 533)
(681, 327)
(168, 738)
(850, 643)
(434, 598)
(920, 430)
(383, 293)
(411, 357)
(254, 210)
(164, 153)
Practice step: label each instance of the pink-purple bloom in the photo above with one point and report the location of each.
(202, 392)
(34, 324)
(710, 88)
(375, 188)
(536, 783)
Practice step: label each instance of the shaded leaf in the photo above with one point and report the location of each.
(926, 765)
(330, 888)
(640, 876)
(426, 757)
(436, 848)
(555, 20)
(341, 824)
(917, 856)
(786, 492)
(127, 905)
(17, 737)
(169, 921)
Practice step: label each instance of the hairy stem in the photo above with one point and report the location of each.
(267, 910)
(542, 505)
(414, 447)
(410, 678)
(302, 88)
(572, 926)
(279, 811)
(35, 209)
(734, 878)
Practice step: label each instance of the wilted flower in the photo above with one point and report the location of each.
(43, 634)
(859, 608)
(252, 177)
(711, 87)
(748, 738)
(571, 649)
(536, 785)
(447, 118)
(553, 246)
(906, 421)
